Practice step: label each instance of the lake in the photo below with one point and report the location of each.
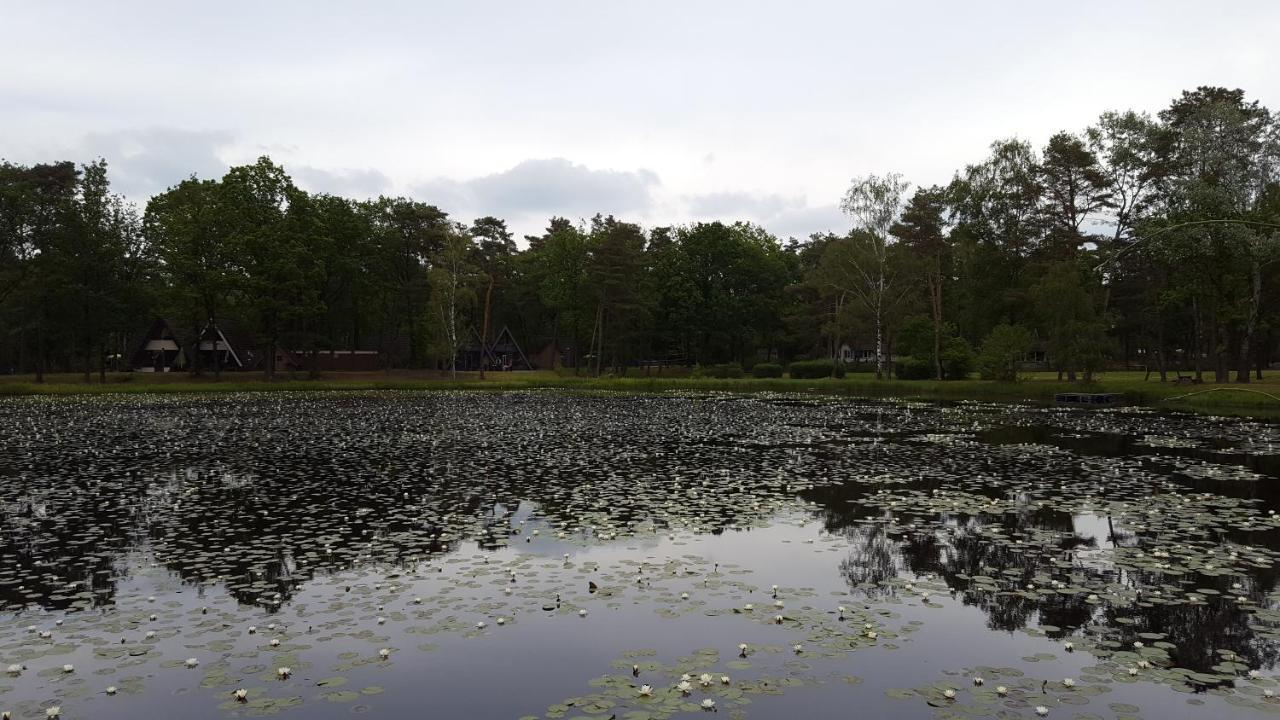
(550, 555)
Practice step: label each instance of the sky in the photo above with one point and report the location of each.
(656, 112)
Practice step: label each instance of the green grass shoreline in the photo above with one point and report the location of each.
(1259, 399)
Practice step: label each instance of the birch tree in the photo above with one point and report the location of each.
(872, 203)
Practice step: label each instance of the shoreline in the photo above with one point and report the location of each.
(1260, 399)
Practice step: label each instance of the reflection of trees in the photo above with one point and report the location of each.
(955, 548)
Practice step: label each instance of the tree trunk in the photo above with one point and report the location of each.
(1251, 323)
(484, 336)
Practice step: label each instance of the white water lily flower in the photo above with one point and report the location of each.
(748, 607)
(1137, 643)
(501, 621)
(582, 612)
(68, 668)
(1268, 693)
(1068, 646)
(240, 694)
(797, 647)
(253, 629)
(1254, 674)
(275, 642)
(978, 681)
(778, 619)
(646, 690)
(480, 625)
(53, 712)
(724, 679)
(1133, 671)
(192, 662)
(779, 603)
(283, 672)
(111, 689)
(742, 649)
(1042, 710)
(384, 653)
(708, 703)
(1002, 690)
(1068, 682)
(871, 635)
(684, 687)
(949, 694)
(15, 669)
(684, 596)
(705, 679)
(1144, 664)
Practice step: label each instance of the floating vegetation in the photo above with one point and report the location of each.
(317, 555)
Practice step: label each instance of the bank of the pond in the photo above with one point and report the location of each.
(1261, 398)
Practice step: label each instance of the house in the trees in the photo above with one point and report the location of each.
(161, 349)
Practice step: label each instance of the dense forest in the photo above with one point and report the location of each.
(1147, 241)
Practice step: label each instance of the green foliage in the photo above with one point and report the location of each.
(722, 370)
(767, 370)
(1001, 351)
(811, 369)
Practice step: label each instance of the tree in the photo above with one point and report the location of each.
(1001, 351)
(921, 228)
(451, 291)
(861, 266)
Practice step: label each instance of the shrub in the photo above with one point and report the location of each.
(723, 370)
(1001, 350)
(957, 359)
(767, 370)
(914, 367)
(812, 369)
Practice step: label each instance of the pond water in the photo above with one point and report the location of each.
(545, 555)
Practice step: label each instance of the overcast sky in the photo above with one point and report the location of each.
(657, 112)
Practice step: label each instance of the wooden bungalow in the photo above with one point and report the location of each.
(161, 349)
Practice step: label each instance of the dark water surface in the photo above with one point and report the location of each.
(610, 542)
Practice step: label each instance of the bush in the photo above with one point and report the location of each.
(723, 370)
(914, 368)
(767, 370)
(957, 359)
(1001, 350)
(812, 369)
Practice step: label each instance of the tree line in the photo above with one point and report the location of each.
(1142, 240)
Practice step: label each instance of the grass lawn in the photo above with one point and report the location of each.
(1257, 398)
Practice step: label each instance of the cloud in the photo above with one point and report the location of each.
(143, 162)
(355, 184)
(781, 215)
(544, 187)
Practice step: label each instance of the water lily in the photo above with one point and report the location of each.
(778, 619)
(1042, 710)
(871, 634)
(192, 662)
(705, 679)
(1133, 671)
(283, 672)
(797, 648)
(241, 694)
(1068, 646)
(1144, 664)
(1002, 690)
(708, 703)
(501, 621)
(724, 679)
(384, 653)
(1268, 693)
(949, 694)
(684, 687)
(14, 669)
(1137, 644)
(582, 612)
(68, 668)
(1254, 674)
(978, 681)
(646, 690)
(53, 711)
(742, 649)
(480, 625)
(253, 629)
(1068, 682)
(275, 642)
(748, 607)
